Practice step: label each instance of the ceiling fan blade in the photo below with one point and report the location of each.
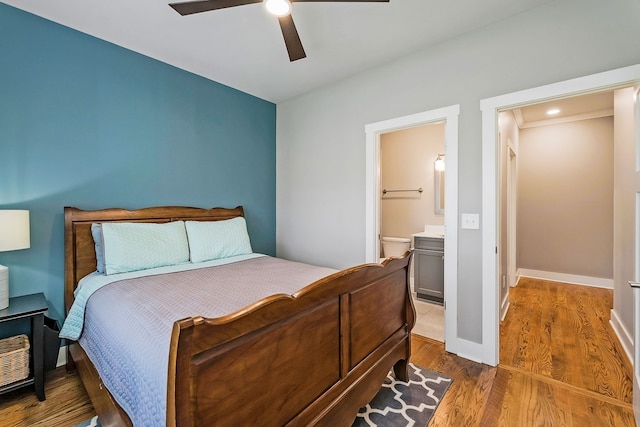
(291, 38)
(187, 8)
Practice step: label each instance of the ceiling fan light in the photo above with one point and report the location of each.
(278, 7)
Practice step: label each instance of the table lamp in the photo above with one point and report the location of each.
(14, 235)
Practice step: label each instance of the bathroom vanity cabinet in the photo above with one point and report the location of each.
(428, 258)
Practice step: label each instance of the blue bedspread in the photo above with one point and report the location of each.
(127, 325)
(74, 322)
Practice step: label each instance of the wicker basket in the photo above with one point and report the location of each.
(14, 359)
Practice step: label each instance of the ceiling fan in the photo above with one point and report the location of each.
(279, 8)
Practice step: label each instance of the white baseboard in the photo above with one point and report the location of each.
(62, 356)
(504, 309)
(623, 335)
(636, 400)
(596, 282)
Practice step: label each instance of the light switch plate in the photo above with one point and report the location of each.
(471, 221)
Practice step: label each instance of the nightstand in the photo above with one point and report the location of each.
(33, 307)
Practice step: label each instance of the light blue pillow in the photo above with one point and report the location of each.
(130, 246)
(96, 232)
(210, 240)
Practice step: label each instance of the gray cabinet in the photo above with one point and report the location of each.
(428, 273)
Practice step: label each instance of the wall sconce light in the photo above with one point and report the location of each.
(439, 163)
(14, 235)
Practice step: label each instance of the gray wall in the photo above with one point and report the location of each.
(565, 198)
(320, 195)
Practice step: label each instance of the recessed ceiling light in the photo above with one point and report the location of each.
(553, 111)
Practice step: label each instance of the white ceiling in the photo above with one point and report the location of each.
(581, 107)
(242, 47)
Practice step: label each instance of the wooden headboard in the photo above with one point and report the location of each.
(79, 249)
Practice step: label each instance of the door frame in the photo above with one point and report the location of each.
(512, 209)
(510, 201)
(636, 267)
(490, 108)
(448, 115)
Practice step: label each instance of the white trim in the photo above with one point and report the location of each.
(504, 309)
(574, 279)
(636, 354)
(469, 350)
(623, 335)
(636, 268)
(636, 392)
(449, 115)
(512, 216)
(517, 114)
(490, 108)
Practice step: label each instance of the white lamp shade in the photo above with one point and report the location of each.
(14, 230)
(4, 287)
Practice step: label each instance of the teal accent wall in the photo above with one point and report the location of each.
(86, 123)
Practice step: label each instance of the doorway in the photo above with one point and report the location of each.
(448, 115)
(490, 109)
(409, 213)
(508, 150)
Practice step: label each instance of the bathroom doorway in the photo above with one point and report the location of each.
(408, 179)
(412, 162)
(449, 117)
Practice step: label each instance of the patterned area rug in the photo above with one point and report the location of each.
(397, 404)
(400, 404)
(93, 422)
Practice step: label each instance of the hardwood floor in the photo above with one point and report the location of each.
(562, 331)
(67, 403)
(560, 366)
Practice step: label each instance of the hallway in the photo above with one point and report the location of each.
(560, 333)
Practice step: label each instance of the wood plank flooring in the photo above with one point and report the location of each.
(67, 403)
(562, 331)
(559, 367)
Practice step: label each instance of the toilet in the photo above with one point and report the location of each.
(395, 246)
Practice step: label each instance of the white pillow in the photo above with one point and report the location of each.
(218, 239)
(130, 246)
(96, 233)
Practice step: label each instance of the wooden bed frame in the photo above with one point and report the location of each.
(313, 358)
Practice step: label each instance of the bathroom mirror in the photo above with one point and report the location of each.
(438, 181)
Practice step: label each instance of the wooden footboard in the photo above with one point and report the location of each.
(311, 359)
